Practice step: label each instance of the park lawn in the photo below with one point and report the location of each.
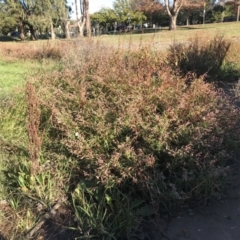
(13, 74)
(183, 33)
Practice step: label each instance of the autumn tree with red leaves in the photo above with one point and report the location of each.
(191, 8)
(150, 8)
(147, 6)
(172, 7)
(237, 7)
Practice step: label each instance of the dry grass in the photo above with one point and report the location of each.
(199, 57)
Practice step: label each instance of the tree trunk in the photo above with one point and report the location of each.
(52, 32)
(32, 31)
(47, 33)
(238, 10)
(88, 22)
(191, 20)
(81, 24)
(173, 22)
(21, 30)
(66, 28)
(222, 16)
(173, 12)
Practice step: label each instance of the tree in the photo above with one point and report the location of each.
(233, 7)
(84, 18)
(32, 15)
(56, 11)
(238, 9)
(150, 8)
(122, 9)
(192, 9)
(147, 6)
(171, 6)
(13, 9)
(104, 17)
(7, 23)
(173, 12)
(125, 11)
(88, 22)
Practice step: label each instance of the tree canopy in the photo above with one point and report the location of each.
(123, 11)
(28, 15)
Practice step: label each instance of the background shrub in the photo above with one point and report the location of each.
(199, 57)
(39, 51)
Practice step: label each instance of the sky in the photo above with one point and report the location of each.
(94, 5)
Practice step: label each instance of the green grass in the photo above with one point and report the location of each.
(14, 74)
(183, 33)
(2, 190)
(12, 79)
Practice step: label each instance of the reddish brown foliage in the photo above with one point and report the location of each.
(34, 138)
(148, 6)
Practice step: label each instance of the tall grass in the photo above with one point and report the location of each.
(121, 131)
(200, 58)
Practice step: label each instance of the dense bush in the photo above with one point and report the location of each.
(134, 127)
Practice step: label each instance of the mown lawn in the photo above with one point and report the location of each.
(14, 74)
(183, 33)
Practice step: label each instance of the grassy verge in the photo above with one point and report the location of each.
(14, 74)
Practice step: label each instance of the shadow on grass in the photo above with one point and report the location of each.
(2, 238)
(229, 72)
(54, 231)
(190, 27)
(9, 39)
(61, 227)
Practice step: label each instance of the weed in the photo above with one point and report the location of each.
(131, 124)
(102, 212)
(34, 137)
(198, 57)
